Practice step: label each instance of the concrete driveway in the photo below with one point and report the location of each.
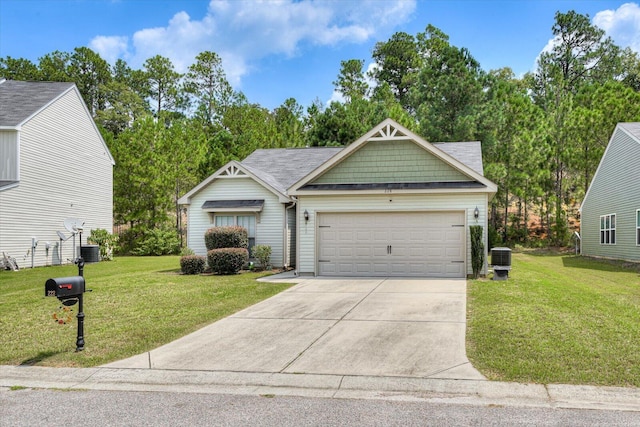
(372, 327)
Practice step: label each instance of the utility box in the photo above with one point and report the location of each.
(501, 263)
(64, 287)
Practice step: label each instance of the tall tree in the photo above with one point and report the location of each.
(90, 73)
(449, 89)
(54, 67)
(581, 55)
(289, 123)
(207, 83)
(163, 85)
(397, 64)
(351, 81)
(18, 69)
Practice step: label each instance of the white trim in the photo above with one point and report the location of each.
(609, 229)
(230, 171)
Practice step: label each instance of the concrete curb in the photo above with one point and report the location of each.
(472, 392)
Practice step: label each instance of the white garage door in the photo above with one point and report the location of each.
(426, 244)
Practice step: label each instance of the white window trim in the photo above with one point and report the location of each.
(614, 228)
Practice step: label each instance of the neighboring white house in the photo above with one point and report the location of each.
(610, 212)
(54, 165)
(389, 204)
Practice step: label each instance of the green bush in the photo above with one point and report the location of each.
(263, 254)
(227, 260)
(226, 237)
(158, 241)
(192, 264)
(477, 250)
(105, 240)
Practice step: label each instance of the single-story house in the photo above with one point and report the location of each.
(610, 211)
(54, 166)
(389, 204)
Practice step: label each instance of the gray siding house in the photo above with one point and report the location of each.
(54, 165)
(610, 212)
(389, 204)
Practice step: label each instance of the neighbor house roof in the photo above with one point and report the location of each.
(21, 100)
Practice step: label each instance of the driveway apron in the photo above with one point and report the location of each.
(338, 326)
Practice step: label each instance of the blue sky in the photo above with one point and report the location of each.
(274, 50)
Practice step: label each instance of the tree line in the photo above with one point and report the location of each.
(542, 134)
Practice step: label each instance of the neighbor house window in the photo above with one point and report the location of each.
(638, 227)
(246, 221)
(608, 229)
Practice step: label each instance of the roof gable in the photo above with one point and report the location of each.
(232, 170)
(392, 154)
(389, 161)
(19, 100)
(632, 130)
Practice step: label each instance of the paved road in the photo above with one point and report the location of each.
(108, 408)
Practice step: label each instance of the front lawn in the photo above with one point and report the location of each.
(557, 319)
(137, 304)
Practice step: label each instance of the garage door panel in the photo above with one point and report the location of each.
(392, 243)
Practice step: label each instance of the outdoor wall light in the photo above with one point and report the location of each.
(306, 215)
(476, 213)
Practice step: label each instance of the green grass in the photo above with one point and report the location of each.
(557, 319)
(137, 304)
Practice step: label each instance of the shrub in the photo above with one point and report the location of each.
(187, 251)
(192, 264)
(226, 237)
(105, 240)
(477, 249)
(227, 260)
(263, 255)
(158, 241)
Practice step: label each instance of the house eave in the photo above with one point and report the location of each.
(387, 192)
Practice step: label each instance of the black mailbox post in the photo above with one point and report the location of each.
(69, 290)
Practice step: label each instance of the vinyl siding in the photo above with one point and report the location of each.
(65, 172)
(391, 161)
(382, 203)
(614, 190)
(269, 224)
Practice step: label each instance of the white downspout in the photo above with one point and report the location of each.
(285, 246)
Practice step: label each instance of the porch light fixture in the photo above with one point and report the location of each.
(306, 215)
(476, 213)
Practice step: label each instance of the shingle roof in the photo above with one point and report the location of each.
(283, 167)
(467, 153)
(20, 100)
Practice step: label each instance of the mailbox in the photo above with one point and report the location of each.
(64, 287)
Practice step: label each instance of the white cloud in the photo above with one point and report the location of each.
(110, 48)
(242, 32)
(622, 24)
